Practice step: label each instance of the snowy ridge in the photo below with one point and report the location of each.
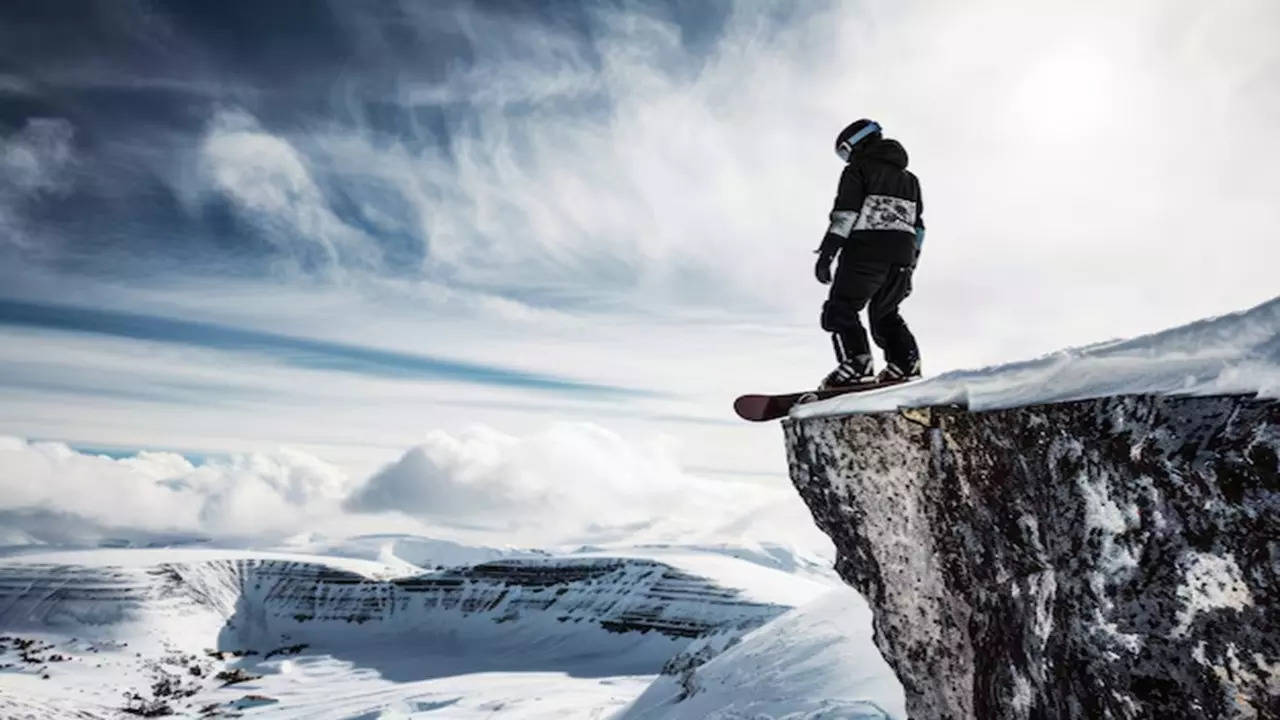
(399, 549)
(264, 599)
(1235, 354)
(774, 556)
(46, 596)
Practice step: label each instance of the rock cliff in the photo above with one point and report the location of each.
(263, 603)
(1108, 558)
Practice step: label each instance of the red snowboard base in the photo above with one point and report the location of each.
(760, 408)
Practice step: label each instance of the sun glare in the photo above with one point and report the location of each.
(1066, 96)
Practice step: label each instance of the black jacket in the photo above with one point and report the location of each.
(878, 212)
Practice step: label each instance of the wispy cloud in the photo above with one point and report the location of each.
(35, 161)
(599, 157)
(268, 180)
(301, 352)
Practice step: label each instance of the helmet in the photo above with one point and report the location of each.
(857, 132)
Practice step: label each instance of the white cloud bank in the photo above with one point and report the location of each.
(569, 479)
(569, 484)
(164, 492)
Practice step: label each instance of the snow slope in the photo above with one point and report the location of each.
(1236, 353)
(817, 661)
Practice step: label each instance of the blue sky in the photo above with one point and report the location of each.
(342, 226)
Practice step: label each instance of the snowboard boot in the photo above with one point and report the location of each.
(893, 373)
(852, 372)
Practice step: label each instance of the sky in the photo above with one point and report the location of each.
(464, 254)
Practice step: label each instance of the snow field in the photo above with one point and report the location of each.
(308, 636)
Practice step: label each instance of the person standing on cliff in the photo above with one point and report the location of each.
(877, 229)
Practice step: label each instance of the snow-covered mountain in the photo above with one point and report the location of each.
(164, 624)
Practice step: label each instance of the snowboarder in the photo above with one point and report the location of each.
(877, 230)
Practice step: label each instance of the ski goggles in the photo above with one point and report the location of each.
(845, 148)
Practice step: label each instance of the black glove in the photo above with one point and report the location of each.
(826, 253)
(822, 270)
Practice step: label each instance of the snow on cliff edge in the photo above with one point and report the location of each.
(1231, 354)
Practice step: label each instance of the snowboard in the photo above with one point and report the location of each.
(762, 408)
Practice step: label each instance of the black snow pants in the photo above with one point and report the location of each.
(880, 287)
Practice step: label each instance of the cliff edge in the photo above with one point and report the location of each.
(1116, 557)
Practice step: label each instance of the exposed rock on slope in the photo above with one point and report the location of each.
(1109, 558)
(265, 602)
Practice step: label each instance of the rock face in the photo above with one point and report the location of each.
(1109, 558)
(261, 604)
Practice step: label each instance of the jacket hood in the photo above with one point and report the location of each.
(884, 150)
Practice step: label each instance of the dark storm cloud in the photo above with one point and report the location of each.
(139, 84)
